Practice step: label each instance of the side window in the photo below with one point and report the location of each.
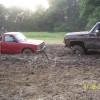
(96, 28)
(9, 38)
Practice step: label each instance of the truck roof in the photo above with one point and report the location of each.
(12, 33)
(98, 22)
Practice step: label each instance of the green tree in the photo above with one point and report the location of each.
(39, 20)
(62, 15)
(89, 12)
(2, 15)
(16, 18)
(95, 17)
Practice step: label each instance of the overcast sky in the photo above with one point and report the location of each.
(30, 4)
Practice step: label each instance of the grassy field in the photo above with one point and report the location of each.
(49, 38)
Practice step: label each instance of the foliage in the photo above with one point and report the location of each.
(95, 17)
(90, 12)
(2, 15)
(58, 17)
(61, 16)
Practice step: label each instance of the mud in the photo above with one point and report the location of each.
(60, 77)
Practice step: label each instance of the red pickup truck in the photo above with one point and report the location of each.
(16, 43)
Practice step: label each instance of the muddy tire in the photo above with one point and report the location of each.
(77, 50)
(27, 51)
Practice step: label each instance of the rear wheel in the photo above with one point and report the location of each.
(77, 50)
(27, 51)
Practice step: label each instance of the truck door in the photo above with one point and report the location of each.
(95, 38)
(10, 45)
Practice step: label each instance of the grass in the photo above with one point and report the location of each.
(49, 38)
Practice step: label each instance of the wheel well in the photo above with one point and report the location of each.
(26, 48)
(73, 43)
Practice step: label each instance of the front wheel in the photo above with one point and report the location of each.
(27, 51)
(78, 50)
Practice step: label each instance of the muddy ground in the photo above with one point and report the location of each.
(62, 77)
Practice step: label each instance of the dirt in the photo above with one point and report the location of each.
(61, 76)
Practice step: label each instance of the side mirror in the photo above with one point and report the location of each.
(97, 32)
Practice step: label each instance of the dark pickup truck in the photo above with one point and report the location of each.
(80, 42)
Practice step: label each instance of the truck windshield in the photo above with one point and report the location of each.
(20, 37)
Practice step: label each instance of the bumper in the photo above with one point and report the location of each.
(65, 45)
(41, 50)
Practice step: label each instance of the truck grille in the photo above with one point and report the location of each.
(42, 45)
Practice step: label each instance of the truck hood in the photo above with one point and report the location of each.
(78, 33)
(35, 42)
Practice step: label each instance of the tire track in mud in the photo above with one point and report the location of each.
(61, 78)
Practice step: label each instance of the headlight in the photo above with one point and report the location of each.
(41, 46)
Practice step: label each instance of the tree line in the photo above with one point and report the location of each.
(61, 16)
